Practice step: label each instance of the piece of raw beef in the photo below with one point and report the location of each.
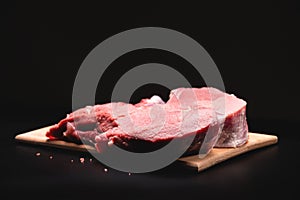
(190, 113)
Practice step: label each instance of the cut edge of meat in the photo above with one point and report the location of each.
(235, 131)
(133, 144)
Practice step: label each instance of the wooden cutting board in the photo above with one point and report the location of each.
(217, 155)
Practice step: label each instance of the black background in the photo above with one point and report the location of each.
(255, 46)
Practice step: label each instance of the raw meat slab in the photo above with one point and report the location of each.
(217, 155)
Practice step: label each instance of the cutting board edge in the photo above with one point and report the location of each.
(31, 138)
(196, 163)
(58, 146)
(213, 158)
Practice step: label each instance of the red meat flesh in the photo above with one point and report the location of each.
(151, 124)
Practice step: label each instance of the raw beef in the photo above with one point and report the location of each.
(151, 124)
(235, 128)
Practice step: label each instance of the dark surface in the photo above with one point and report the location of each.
(268, 172)
(255, 46)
